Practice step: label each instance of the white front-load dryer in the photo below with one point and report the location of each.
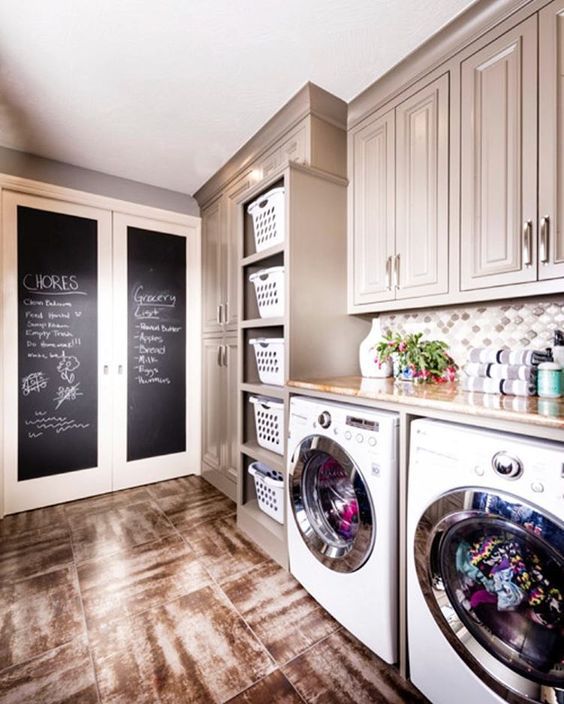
(342, 522)
(485, 566)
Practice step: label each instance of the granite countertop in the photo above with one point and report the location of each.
(545, 412)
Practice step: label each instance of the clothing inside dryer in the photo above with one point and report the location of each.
(507, 586)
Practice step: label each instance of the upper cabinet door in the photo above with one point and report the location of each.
(551, 136)
(499, 161)
(231, 250)
(213, 288)
(422, 154)
(373, 211)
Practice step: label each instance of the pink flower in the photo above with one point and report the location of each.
(402, 347)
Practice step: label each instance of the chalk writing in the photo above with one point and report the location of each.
(34, 382)
(59, 424)
(66, 393)
(66, 367)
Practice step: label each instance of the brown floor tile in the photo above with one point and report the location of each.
(140, 578)
(340, 669)
(33, 552)
(174, 487)
(18, 523)
(273, 689)
(60, 676)
(38, 614)
(106, 532)
(105, 502)
(195, 649)
(281, 613)
(224, 550)
(187, 510)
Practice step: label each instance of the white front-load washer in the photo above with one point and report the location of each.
(485, 566)
(342, 522)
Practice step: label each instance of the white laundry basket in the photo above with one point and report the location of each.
(269, 423)
(269, 290)
(269, 354)
(267, 212)
(269, 486)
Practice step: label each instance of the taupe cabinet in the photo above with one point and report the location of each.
(498, 161)
(456, 165)
(219, 269)
(551, 141)
(400, 200)
(219, 420)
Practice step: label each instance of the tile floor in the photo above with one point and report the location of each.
(153, 595)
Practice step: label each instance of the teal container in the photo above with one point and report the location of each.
(549, 380)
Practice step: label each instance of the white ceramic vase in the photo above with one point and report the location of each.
(369, 366)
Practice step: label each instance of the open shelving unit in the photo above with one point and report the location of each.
(319, 337)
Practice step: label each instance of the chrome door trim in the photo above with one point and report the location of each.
(334, 557)
(509, 684)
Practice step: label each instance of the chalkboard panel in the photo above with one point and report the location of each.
(57, 343)
(156, 385)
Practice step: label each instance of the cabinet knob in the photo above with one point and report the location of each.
(544, 235)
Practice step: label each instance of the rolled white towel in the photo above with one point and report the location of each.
(505, 387)
(524, 372)
(489, 355)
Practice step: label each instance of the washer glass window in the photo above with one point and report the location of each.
(332, 505)
(494, 574)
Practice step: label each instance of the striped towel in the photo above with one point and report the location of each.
(505, 387)
(488, 355)
(524, 372)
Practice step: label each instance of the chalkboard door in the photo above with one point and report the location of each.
(57, 343)
(157, 336)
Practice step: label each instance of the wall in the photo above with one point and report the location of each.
(528, 322)
(36, 168)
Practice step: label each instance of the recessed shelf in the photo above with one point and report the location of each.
(259, 256)
(267, 457)
(252, 510)
(262, 322)
(264, 390)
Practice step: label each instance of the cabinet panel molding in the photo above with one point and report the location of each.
(422, 192)
(373, 210)
(498, 161)
(551, 141)
(213, 223)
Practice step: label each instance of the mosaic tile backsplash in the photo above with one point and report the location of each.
(513, 324)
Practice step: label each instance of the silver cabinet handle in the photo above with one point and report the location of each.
(106, 369)
(218, 314)
(219, 352)
(389, 273)
(396, 271)
(226, 312)
(225, 356)
(120, 368)
(544, 235)
(528, 243)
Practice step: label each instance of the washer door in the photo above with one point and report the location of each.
(491, 569)
(331, 504)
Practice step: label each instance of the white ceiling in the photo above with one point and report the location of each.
(165, 92)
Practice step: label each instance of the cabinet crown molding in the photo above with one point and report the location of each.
(310, 100)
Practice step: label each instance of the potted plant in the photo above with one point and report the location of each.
(415, 359)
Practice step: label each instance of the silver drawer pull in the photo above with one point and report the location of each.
(219, 353)
(528, 243)
(389, 273)
(544, 235)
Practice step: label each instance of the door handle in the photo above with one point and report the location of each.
(219, 355)
(396, 271)
(225, 356)
(389, 273)
(543, 242)
(528, 243)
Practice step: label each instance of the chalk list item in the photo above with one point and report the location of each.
(57, 343)
(156, 385)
